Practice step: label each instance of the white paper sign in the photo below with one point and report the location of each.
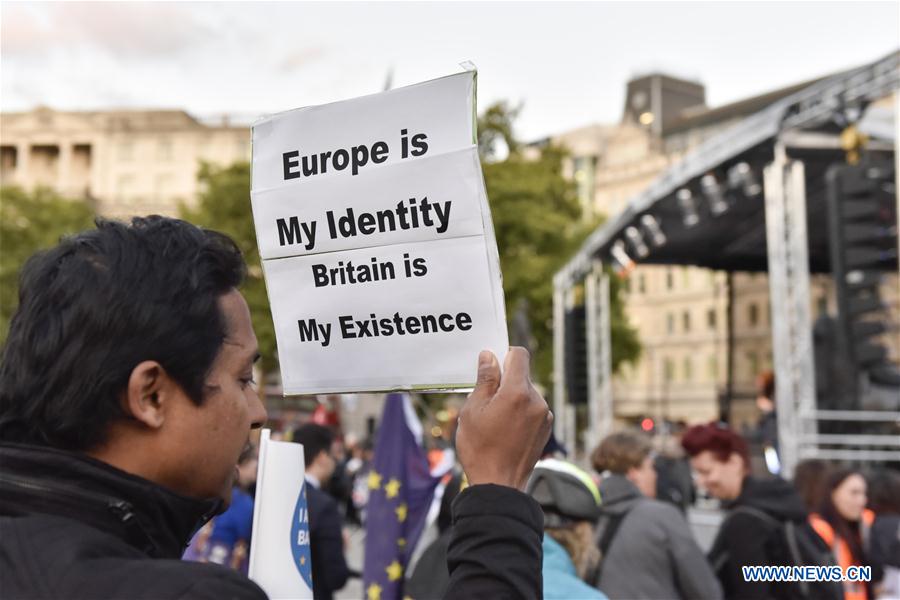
(441, 109)
(280, 561)
(392, 205)
(377, 242)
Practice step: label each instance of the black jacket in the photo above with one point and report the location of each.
(73, 527)
(479, 570)
(76, 528)
(326, 544)
(495, 545)
(746, 540)
(884, 544)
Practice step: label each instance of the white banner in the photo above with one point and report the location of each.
(380, 261)
(280, 561)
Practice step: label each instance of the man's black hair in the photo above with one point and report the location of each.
(315, 439)
(98, 304)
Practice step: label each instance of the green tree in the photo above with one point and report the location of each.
(223, 204)
(538, 225)
(31, 221)
(626, 346)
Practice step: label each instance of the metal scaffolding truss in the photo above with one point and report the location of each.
(806, 109)
(765, 140)
(792, 348)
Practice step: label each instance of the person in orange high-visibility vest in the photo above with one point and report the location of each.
(844, 523)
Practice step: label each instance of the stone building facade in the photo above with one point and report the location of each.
(123, 162)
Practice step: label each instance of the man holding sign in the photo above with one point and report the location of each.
(126, 390)
(125, 401)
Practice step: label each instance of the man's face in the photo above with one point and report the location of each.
(721, 479)
(324, 466)
(644, 477)
(211, 437)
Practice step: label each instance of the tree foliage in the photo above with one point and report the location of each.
(223, 204)
(31, 221)
(538, 225)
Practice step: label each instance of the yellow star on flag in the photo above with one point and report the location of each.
(394, 571)
(302, 560)
(392, 488)
(374, 591)
(374, 480)
(401, 542)
(401, 512)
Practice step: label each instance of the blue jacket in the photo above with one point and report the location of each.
(235, 524)
(560, 580)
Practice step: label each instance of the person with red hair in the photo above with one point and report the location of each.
(759, 513)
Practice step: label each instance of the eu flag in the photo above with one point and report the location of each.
(401, 489)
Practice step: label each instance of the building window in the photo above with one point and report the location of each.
(626, 285)
(642, 284)
(712, 368)
(685, 277)
(670, 323)
(752, 365)
(670, 279)
(686, 321)
(753, 314)
(9, 159)
(711, 319)
(688, 369)
(43, 164)
(668, 369)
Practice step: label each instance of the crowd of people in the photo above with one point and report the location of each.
(620, 532)
(127, 400)
(830, 516)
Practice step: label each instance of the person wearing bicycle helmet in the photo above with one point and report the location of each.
(571, 504)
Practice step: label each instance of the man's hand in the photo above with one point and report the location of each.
(504, 425)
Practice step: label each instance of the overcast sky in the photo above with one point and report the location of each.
(567, 62)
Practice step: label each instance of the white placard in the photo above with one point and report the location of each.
(280, 561)
(377, 243)
(436, 197)
(337, 346)
(441, 109)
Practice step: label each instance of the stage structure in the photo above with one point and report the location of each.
(755, 198)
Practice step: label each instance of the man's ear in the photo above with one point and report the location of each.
(146, 394)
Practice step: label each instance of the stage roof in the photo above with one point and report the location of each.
(808, 122)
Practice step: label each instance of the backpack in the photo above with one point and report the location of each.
(798, 545)
(604, 532)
